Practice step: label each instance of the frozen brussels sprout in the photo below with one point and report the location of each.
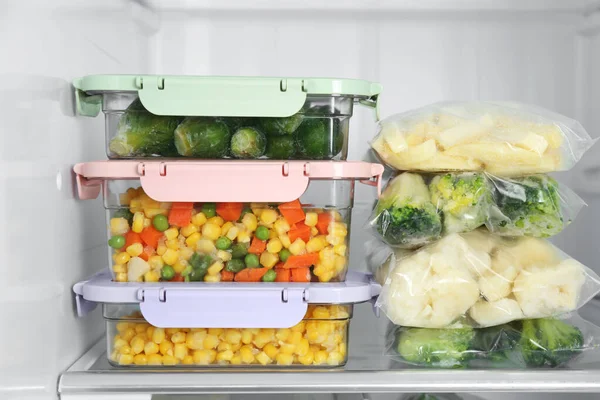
(234, 123)
(248, 143)
(281, 126)
(141, 133)
(319, 138)
(281, 148)
(202, 137)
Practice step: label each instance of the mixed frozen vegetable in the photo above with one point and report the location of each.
(320, 339)
(479, 279)
(415, 209)
(505, 139)
(530, 343)
(305, 135)
(153, 241)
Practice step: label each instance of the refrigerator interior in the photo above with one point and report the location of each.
(543, 52)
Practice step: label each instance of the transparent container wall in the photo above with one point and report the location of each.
(319, 131)
(152, 241)
(320, 340)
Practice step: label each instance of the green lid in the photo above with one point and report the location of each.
(222, 96)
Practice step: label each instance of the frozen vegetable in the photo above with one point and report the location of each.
(506, 139)
(531, 343)
(248, 143)
(405, 215)
(319, 339)
(319, 138)
(479, 279)
(142, 134)
(281, 148)
(202, 137)
(281, 126)
(214, 242)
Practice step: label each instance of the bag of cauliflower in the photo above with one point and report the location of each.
(478, 279)
(528, 343)
(503, 138)
(416, 208)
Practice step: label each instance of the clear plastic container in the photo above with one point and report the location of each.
(320, 340)
(226, 117)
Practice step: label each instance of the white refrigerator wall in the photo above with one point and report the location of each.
(50, 240)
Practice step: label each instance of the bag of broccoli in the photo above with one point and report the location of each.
(478, 279)
(529, 343)
(503, 138)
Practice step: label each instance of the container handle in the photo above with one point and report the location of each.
(223, 308)
(223, 96)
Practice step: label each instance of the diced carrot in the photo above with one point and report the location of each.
(257, 246)
(182, 205)
(303, 260)
(292, 211)
(279, 265)
(150, 235)
(299, 231)
(323, 221)
(300, 274)
(132, 237)
(177, 278)
(250, 274)
(147, 253)
(180, 216)
(230, 211)
(226, 276)
(283, 275)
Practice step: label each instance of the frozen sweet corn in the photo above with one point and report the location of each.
(180, 242)
(320, 339)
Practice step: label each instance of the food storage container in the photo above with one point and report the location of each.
(176, 221)
(244, 324)
(224, 117)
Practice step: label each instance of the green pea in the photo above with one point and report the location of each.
(223, 243)
(116, 242)
(284, 254)
(262, 232)
(239, 250)
(235, 265)
(160, 222)
(251, 260)
(209, 209)
(269, 276)
(167, 272)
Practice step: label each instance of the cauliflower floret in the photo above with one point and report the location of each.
(491, 313)
(529, 251)
(498, 283)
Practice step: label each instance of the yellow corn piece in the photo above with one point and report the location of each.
(137, 345)
(211, 341)
(283, 334)
(244, 236)
(224, 255)
(199, 219)
(335, 358)
(147, 222)
(246, 355)
(155, 262)
(325, 276)
(180, 265)
(188, 360)
(215, 268)
(298, 247)
(172, 244)
(335, 240)
(268, 216)
(170, 256)
(321, 312)
(135, 249)
(287, 348)
(204, 356)
(205, 246)
(119, 226)
(192, 239)
(338, 229)
(236, 360)
(186, 252)
(311, 219)
(284, 359)
(195, 340)
(281, 226)
(285, 240)
(340, 249)
(178, 337)
(165, 348)
(169, 360)
(171, 233)
(119, 268)
(340, 263)
(152, 276)
(232, 233)
(302, 348)
(138, 222)
(274, 246)
(226, 227)
(211, 231)
(257, 208)
(154, 359)
(268, 260)
(135, 205)
(272, 234)
(262, 357)
(121, 277)
(212, 278)
(314, 245)
(250, 222)
(180, 351)
(226, 355)
(216, 221)
(160, 250)
(314, 231)
(233, 336)
(320, 357)
(307, 359)
(126, 359)
(122, 257)
(188, 230)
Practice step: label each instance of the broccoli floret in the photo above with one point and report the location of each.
(142, 134)
(319, 138)
(548, 342)
(499, 345)
(248, 143)
(202, 137)
(281, 126)
(435, 347)
(463, 199)
(280, 148)
(527, 206)
(405, 215)
(124, 213)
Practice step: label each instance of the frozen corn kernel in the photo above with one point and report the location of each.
(120, 269)
(165, 348)
(212, 278)
(171, 331)
(320, 312)
(320, 357)
(294, 337)
(195, 340)
(119, 226)
(299, 327)
(137, 345)
(188, 360)
(125, 359)
(283, 334)
(150, 331)
(199, 219)
(307, 359)
(226, 227)
(338, 229)
(140, 359)
(126, 349)
(298, 247)
(314, 231)
(211, 341)
(311, 219)
(262, 357)
(172, 244)
(340, 249)
(340, 264)
(335, 358)
(193, 239)
(138, 222)
(224, 255)
(244, 236)
(170, 257)
(180, 265)
(178, 337)
(247, 336)
(335, 239)
(268, 260)
(186, 231)
(135, 249)
(233, 336)
(285, 241)
(160, 250)
(186, 252)
(268, 216)
(236, 360)
(123, 257)
(159, 335)
(271, 350)
(205, 246)
(216, 221)
(314, 245)
(342, 349)
(152, 276)
(281, 226)
(215, 268)
(226, 355)
(274, 246)
(122, 326)
(287, 348)
(247, 355)
(154, 359)
(147, 222)
(232, 233)
(171, 233)
(169, 360)
(211, 231)
(155, 262)
(128, 334)
(250, 222)
(284, 359)
(204, 356)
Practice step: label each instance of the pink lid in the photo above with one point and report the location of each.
(222, 180)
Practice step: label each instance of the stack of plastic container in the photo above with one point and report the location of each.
(471, 281)
(228, 206)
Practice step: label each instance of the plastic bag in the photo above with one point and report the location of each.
(478, 279)
(530, 343)
(416, 209)
(503, 138)
(438, 396)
